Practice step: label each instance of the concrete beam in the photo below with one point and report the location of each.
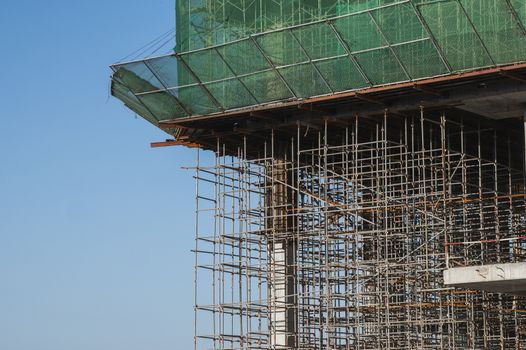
(499, 278)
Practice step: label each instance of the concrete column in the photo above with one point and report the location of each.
(280, 202)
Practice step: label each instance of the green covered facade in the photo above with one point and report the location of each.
(238, 54)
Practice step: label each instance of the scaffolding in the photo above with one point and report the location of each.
(336, 236)
(331, 205)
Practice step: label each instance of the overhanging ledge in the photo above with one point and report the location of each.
(498, 278)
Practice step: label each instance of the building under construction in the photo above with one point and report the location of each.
(367, 185)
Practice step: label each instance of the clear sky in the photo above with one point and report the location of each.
(96, 228)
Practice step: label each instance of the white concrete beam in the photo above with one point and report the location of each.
(499, 278)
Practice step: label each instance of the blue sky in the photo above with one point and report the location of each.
(96, 228)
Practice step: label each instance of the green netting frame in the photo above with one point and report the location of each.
(284, 50)
(205, 23)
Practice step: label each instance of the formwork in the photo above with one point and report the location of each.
(348, 153)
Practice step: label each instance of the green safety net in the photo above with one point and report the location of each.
(235, 53)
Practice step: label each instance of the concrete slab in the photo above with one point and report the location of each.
(498, 278)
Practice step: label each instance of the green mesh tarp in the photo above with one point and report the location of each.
(236, 53)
